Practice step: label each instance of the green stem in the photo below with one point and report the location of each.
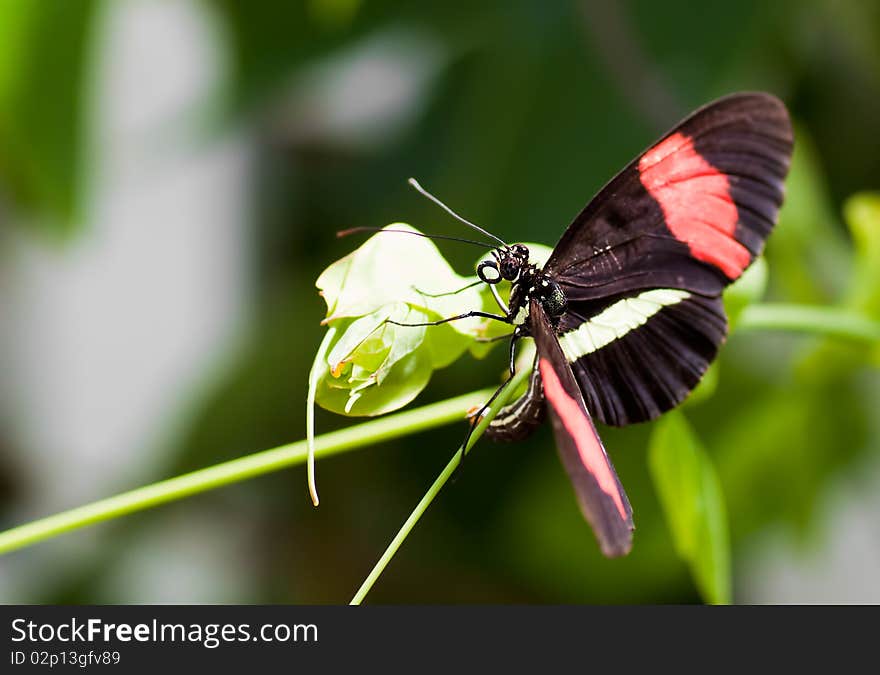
(437, 485)
(835, 322)
(344, 440)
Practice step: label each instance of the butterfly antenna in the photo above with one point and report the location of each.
(355, 230)
(425, 193)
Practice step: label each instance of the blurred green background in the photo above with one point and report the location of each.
(172, 176)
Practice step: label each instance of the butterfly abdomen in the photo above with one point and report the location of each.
(517, 421)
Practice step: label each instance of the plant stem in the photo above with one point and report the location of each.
(836, 322)
(437, 485)
(344, 440)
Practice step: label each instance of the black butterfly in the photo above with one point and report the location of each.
(627, 314)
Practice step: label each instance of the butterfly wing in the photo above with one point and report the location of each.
(643, 353)
(598, 489)
(644, 264)
(691, 212)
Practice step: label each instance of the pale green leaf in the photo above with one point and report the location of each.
(373, 365)
(862, 215)
(402, 385)
(44, 67)
(444, 343)
(361, 341)
(390, 268)
(690, 494)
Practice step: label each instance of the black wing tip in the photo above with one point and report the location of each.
(618, 548)
(751, 97)
(752, 93)
(616, 537)
(771, 105)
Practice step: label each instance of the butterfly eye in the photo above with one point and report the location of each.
(488, 272)
(510, 267)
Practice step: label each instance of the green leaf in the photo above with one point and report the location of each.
(360, 342)
(43, 69)
(357, 398)
(859, 309)
(862, 215)
(443, 342)
(373, 366)
(393, 267)
(690, 493)
(333, 14)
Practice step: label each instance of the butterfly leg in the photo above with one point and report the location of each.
(478, 415)
(466, 315)
(497, 338)
(448, 293)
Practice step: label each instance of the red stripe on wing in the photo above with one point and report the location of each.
(696, 202)
(581, 430)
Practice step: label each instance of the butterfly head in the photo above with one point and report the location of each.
(508, 264)
(513, 260)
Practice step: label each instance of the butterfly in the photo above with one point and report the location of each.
(626, 313)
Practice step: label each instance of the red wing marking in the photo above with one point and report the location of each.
(578, 425)
(696, 203)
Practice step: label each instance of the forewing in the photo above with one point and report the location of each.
(690, 213)
(644, 264)
(598, 489)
